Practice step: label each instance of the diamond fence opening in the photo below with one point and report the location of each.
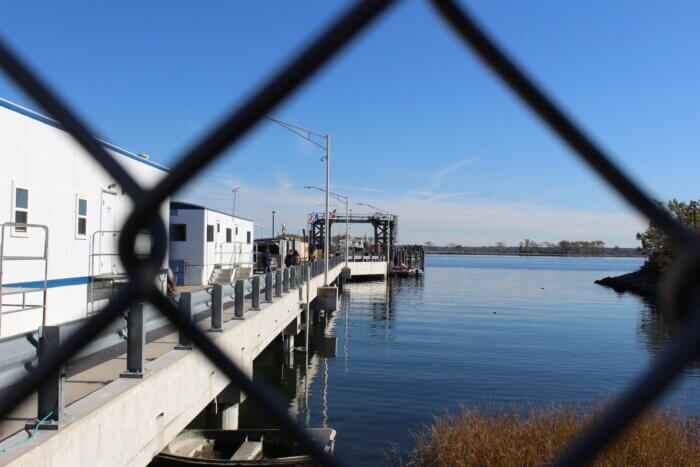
(676, 294)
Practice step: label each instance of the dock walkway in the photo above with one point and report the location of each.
(125, 421)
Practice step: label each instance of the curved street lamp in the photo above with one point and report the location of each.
(308, 135)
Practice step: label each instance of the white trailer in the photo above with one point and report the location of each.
(48, 181)
(209, 246)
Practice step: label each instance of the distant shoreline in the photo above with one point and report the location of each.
(573, 255)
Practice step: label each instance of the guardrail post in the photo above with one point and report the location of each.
(285, 280)
(278, 283)
(50, 394)
(217, 308)
(268, 287)
(238, 299)
(293, 277)
(135, 342)
(256, 293)
(185, 308)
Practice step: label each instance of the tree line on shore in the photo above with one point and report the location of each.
(531, 247)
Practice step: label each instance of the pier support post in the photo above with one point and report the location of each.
(50, 396)
(222, 413)
(185, 308)
(238, 299)
(327, 298)
(287, 342)
(217, 308)
(285, 280)
(268, 287)
(278, 283)
(256, 293)
(135, 342)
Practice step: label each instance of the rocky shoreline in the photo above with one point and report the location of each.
(644, 282)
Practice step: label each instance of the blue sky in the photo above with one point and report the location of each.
(418, 125)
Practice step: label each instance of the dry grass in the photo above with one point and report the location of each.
(489, 437)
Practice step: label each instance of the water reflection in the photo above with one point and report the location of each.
(294, 374)
(472, 331)
(656, 329)
(303, 375)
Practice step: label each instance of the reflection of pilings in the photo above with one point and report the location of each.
(319, 350)
(345, 343)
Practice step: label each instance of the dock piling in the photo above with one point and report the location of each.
(217, 308)
(268, 287)
(185, 307)
(278, 283)
(238, 299)
(293, 277)
(255, 297)
(135, 342)
(50, 396)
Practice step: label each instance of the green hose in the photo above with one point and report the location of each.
(31, 436)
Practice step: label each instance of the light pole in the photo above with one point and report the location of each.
(388, 227)
(273, 224)
(235, 195)
(347, 217)
(309, 135)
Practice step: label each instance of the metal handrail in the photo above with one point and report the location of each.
(44, 258)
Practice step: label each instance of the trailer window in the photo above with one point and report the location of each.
(228, 235)
(210, 233)
(21, 208)
(81, 217)
(247, 236)
(178, 232)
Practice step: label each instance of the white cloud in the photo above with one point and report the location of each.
(440, 175)
(466, 221)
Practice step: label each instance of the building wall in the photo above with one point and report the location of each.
(192, 249)
(45, 160)
(203, 256)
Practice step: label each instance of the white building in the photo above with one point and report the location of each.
(208, 246)
(48, 179)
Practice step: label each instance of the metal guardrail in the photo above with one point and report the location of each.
(676, 291)
(18, 354)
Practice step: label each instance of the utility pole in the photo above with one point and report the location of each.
(273, 224)
(235, 195)
(328, 220)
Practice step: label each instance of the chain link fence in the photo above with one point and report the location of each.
(676, 294)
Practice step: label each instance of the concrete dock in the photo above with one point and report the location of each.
(127, 421)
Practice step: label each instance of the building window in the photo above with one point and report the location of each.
(218, 227)
(210, 233)
(178, 232)
(247, 236)
(81, 217)
(228, 235)
(21, 209)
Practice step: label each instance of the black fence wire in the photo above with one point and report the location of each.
(676, 294)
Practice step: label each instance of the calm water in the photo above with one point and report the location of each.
(473, 330)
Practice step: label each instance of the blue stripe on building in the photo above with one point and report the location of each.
(53, 283)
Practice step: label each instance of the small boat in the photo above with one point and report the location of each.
(241, 447)
(403, 270)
